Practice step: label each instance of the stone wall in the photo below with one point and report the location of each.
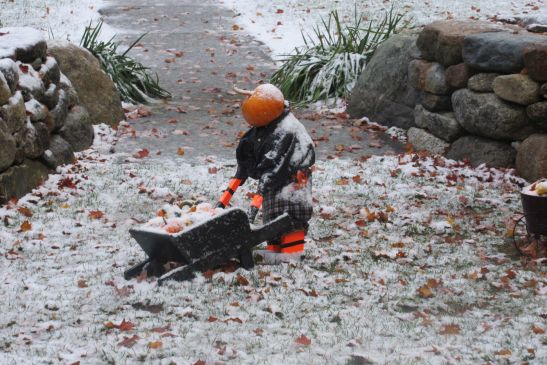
(41, 121)
(482, 93)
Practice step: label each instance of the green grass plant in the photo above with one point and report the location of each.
(333, 56)
(134, 81)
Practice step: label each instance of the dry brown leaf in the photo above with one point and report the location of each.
(96, 214)
(25, 211)
(242, 280)
(180, 151)
(425, 292)
(129, 341)
(25, 226)
(82, 283)
(538, 330)
(155, 344)
(142, 153)
(303, 340)
(450, 329)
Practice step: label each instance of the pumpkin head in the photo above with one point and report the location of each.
(263, 105)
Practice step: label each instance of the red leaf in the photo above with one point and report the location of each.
(25, 211)
(142, 153)
(200, 362)
(96, 214)
(129, 341)
(126, 326)
(303, 340)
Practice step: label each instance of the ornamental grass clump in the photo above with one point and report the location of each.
(333, 57)
(133, 80)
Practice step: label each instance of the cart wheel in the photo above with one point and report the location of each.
(521, 237)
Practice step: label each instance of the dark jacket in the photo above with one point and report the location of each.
(274, 153)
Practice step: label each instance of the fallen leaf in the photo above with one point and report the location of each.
(242, 280)
(180, 151)
(425, 292)
(96, 214)
(538, 330)
(212, 319)
(25, 211)
(303, 340)
(82, 283)
(503, 352)
(432, 283)
(142, 153)
(129, 341)
(25, 226)
(450, 329)
(155, 344)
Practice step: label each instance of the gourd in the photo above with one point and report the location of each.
(262, 105)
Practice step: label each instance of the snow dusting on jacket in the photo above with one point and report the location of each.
(273, 154)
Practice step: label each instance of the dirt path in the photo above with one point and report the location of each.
(199, 54)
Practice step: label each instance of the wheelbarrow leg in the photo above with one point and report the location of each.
(135, 270)
(186, 273)
(246, 259)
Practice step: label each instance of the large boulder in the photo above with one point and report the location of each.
(95, 89)
(50, 71)
(22, 44)
(421, 140)
(500, 51)
(516, 88)
(488, 116)
(482, 82)
(428, 76)
(532, 157)
(443, 40)
(34, 139)
(479, 151)
(19, 180)
(5, 92)
(14, 113)
(59, 152)
(441, 125)
(78, 129)
(9, 69)
(458, 75)
(436, 103)
(7, 147)
(535, 61)
(382, 92)
(538, 113)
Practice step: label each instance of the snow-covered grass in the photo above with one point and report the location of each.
(407, 263)
(59, 19)
(279, 23)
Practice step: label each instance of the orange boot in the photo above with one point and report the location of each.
(293, 242)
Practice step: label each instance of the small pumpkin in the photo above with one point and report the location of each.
(263, 105)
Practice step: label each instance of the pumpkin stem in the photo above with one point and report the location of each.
(242, 91)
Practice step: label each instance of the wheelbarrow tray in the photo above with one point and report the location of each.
(535, 212)
(208, 244)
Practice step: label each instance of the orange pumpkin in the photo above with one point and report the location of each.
(263, 105)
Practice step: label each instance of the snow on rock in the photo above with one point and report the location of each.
(22, 43)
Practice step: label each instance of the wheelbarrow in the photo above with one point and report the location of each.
(535, 219)
(204, 246)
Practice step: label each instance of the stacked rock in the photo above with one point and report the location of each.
(41, 123)
(483, 93)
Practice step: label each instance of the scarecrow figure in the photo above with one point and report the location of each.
(279, 153)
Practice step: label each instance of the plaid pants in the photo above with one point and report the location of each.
(294, 199)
